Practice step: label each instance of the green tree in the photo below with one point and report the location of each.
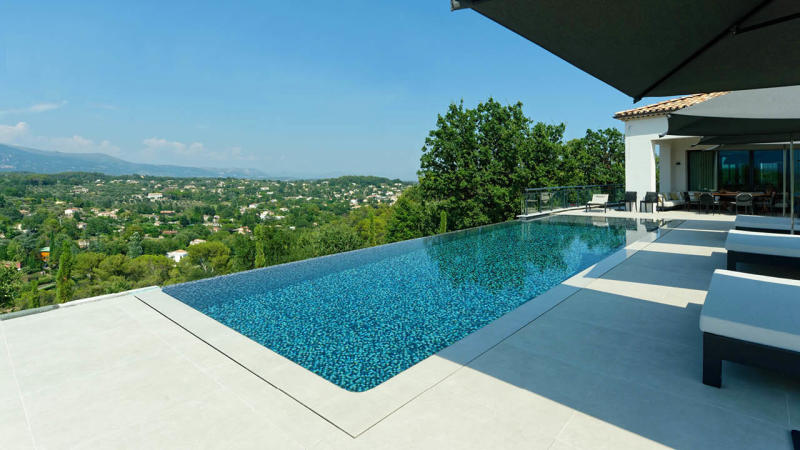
(408, 220)
(64, 283)
(260, 234)
(148, 270)
(476, 162)
(33, 296)
(243, 252)
(337, 238)
(443, 222)
(135, 245)
(272, 245)
(9, 285)
(211, 257)
(86, 263)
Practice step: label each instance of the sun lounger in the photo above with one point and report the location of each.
(750, 319)
(762, 248)
(599, 201)
(764, 224)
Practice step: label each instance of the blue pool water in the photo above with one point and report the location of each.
(359, 318)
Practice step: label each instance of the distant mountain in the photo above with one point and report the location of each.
(20, 159)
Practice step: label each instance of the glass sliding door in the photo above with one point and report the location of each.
(701, 170)
(734, 170)
(768, 170)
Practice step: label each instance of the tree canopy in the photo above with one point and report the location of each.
(477, 162)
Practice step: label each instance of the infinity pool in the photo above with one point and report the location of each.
(359, 318)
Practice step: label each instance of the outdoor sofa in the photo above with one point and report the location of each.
(764, 224)
(764, 248)
(750, 319)
(670, 200)
(598, 201)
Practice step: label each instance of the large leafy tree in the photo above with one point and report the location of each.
(476, 162)
(211, 257)
(597, 158)
(409, 219)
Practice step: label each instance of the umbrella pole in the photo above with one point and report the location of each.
(791, 178)
(785, 171)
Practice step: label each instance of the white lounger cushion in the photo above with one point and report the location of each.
(764, 222)
(753, 308)
(763, 243)
(599, 198)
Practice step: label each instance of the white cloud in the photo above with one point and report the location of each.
(159, 144)
(10, 133)
(21, 135)
(35, 108)
(156, 150)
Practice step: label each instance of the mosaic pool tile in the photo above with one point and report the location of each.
(359, 318)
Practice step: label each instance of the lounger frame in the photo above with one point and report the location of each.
(763, 230)
(735, 257)
(718, 348)
(591, 205)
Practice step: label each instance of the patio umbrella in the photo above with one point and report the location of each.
(745, 117)
(660, 48)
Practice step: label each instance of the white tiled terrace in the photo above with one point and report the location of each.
(616, 364)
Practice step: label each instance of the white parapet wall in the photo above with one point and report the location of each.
(27, 312)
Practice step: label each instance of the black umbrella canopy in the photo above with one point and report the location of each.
(766, 115)
(662, 48)
(750, 139)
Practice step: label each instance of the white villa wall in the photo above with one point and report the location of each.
(642, 138)
(665, 166)
(673, 162)
(640, 165)
(679, 182)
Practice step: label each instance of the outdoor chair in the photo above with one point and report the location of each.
(742, 325)
(764, 204)
(763, 224)
(744, 200)
(762, 248)
(779, 204)
(690, 201)
(630, 199)
(708, 202)
(544, 201)
(598, 201)
(650, 198)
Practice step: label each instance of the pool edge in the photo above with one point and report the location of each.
(356, 412)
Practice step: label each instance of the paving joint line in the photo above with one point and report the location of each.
(248, 369)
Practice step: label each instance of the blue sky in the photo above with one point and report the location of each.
(291, 88)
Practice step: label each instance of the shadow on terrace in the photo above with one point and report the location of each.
(626, 350)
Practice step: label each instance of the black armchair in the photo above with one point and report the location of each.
(650, 198)
(708, 202)
(630, 199)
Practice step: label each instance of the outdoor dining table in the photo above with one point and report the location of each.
(734, 194)
(729, 198)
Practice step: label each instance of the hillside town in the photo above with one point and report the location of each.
(127, 231)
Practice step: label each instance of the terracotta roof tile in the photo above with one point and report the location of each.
(666, 106)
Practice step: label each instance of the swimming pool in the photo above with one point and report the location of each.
(359, 318)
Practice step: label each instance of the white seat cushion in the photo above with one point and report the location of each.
(753, 308)
(764, 222)
(763, 243)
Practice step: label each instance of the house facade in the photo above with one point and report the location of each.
(655, 162)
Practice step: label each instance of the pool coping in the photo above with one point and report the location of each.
(356, 412)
